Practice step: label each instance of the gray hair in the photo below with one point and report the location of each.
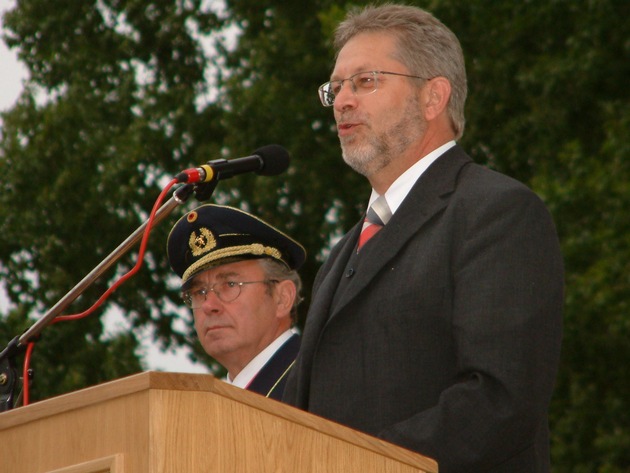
(276, 270)
(425, 45)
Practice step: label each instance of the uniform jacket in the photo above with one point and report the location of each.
(443, 335)
(272, 378)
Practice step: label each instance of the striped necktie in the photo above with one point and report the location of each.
(377, 216)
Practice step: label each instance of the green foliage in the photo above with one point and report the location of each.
(590, 407)
(131, 98)
(109, 112)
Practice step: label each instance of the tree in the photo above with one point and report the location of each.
(548, 105)
(83, 165)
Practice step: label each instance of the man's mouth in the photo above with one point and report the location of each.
(346, 128)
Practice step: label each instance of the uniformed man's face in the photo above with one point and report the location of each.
(235, 332)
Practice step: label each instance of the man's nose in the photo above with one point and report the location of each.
(346, 97)
(212, 301)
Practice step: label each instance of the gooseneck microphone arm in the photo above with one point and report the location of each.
(180, 196)
(8, 372)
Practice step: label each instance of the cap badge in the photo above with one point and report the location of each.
(201, 242)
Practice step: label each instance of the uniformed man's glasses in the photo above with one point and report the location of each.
(226, 291)
(361, 83)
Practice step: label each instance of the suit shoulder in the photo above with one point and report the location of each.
(480, 182)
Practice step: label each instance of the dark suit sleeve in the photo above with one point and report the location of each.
(506, 318)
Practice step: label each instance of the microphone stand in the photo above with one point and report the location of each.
(8, 371)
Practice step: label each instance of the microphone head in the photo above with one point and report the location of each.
(275, 160)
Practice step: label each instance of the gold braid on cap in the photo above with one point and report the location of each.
(253, 249)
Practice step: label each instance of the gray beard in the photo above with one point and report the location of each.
(368, 158)
(377, 151)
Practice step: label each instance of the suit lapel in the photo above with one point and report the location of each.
(324, 290)
(428, 196)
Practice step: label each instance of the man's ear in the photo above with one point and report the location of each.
(435, 96)
(285, 296)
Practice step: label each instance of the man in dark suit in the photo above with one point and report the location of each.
(239, 277)
(442, 332)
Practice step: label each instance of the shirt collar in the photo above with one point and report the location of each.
(252, 368)
(401, 186)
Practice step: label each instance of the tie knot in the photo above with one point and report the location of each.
(379, 212)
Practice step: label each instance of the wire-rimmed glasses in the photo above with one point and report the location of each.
(361, 83)
(226, 291)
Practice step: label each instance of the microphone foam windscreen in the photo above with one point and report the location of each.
(275, 160)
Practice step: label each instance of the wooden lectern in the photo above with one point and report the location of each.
(180, 423)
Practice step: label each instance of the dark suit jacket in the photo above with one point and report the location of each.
(272, 378)
(445, 336)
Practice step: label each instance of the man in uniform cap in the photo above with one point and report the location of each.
(239, 277)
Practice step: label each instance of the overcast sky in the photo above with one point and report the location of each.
(11, 72)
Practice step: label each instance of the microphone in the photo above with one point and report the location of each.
(269, 160)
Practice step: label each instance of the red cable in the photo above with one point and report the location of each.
(107, 293)
(27, 362)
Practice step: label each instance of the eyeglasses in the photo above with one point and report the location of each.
(362, 83)
(226, 291)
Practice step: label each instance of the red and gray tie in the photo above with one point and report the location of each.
(377, 216)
